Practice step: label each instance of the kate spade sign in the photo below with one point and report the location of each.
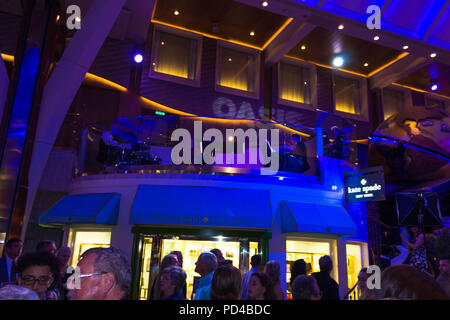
(364, 186)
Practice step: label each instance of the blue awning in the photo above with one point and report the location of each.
(202, 206)
(316, 218)
(100, 208)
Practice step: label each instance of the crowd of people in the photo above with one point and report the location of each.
(105, 274)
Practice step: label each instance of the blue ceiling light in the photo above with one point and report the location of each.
(338, 61)
(138, 58)
(434, 87)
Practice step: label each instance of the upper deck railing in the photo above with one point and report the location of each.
(205, 145)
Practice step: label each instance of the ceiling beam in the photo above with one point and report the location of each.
(435, 21)
(397, 71)
(286, 40)
(385, 6)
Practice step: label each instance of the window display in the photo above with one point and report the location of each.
(354, 265)
(82, 240)
(310, 251)
(191, 250)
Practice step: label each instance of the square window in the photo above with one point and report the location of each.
(347, 95)
(237, 71)
(295, 83)
(176, 58)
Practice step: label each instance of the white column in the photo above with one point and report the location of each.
(64, 84)
(342, 266)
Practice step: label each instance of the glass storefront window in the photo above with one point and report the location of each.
(145, 270)
(82, 240)
(308, 250)
(295, 83)
(254, 249)
(354, 265)
(347, 95)
(191, 250)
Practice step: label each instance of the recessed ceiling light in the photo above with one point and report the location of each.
(433, 55)
(176, 12)
(229, 60)
(405, 47)
(303, 47)
(138, 58)
(434, 86)
(252, 33)
(265, 4)
(366, 64)
(376, 38)
(341, 26)
(338, 62)
(162, 43)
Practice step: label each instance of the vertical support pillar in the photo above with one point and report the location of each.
(342, 266)
(59, 92)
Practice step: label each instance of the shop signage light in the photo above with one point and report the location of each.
(365, 185)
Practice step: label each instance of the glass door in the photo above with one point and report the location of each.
(191, 250)
(145, 269)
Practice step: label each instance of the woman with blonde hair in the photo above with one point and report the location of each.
(272, 269)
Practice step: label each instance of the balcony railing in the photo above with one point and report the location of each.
(205, 146)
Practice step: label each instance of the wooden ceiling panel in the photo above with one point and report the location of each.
(421, 79)
(225, 19)
(323, 45)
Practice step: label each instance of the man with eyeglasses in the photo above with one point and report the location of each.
(104, 274)
(37, 271)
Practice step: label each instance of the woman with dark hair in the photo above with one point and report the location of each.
(37, 271)
(272, 269)
(168, 261)
(226, 283)
(417, 248)
(297, 268)
(405, 282)
(260, 287)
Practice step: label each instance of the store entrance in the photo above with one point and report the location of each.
(155, 247)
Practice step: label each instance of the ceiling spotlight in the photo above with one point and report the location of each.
(341, 26)
(176, 12)
(434, 85)
(229, 60)
(405, 47)
(366, 64)
(252, 33)
(265, 4)
(338, 62)
(138, 58)
(433, 55)
(162, 43)
(303, 47)
(376, 38)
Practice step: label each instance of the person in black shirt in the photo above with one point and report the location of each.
(328, 286)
